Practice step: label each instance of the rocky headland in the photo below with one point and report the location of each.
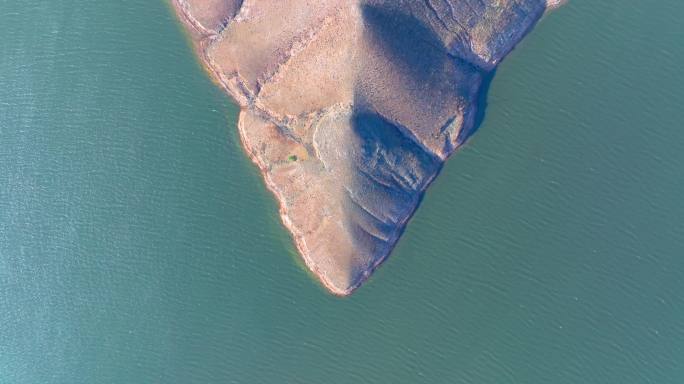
(350, 107)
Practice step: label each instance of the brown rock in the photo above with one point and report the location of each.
(350, 107)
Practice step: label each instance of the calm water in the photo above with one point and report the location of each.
(138, 244)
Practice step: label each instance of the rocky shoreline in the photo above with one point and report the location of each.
(349, 108)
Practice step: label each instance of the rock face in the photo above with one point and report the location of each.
(350, 107)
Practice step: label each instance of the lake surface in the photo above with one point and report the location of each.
(139, 245)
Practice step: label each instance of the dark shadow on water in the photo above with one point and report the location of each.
(480, 107)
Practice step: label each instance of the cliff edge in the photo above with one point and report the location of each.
(350, 107)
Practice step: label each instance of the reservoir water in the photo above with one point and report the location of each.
(139, 245)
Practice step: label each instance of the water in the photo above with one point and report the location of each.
(138, 244)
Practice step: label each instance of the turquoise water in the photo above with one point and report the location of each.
(138, 244)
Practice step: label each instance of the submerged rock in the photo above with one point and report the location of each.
(350, 107)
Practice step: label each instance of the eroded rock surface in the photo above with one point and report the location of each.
(350, 107)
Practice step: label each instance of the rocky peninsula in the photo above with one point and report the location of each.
(350, 107)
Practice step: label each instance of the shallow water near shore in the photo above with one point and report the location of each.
(139, 245)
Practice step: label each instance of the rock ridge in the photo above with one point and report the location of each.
(350, 107)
